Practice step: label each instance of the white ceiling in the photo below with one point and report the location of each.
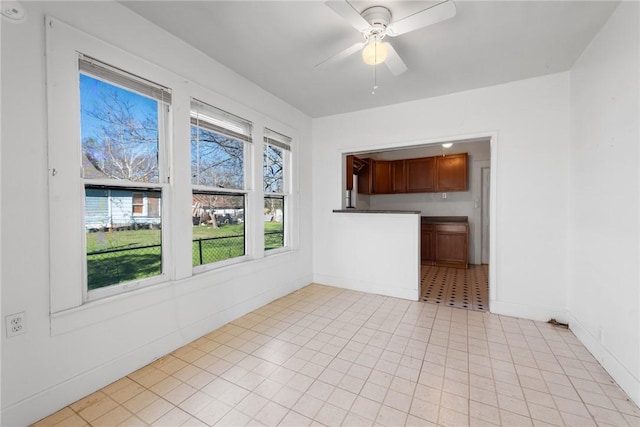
(276, 44)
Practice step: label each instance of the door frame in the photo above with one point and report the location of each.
(492, 136)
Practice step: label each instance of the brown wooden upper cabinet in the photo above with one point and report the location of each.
(365, 177)
(383, 177)
(377, 178)
(451, 173)
(399, 176)
(420, 174)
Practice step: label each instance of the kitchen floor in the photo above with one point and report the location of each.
(324, 356)
(456, 287)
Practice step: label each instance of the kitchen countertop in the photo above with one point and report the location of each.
(443, 219)
(377, 211)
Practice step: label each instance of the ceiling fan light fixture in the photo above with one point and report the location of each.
(375, 52)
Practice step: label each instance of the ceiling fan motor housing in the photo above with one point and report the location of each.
(378, 17)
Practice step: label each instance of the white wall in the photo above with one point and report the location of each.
(604, 291)
(529, 121)
(43, 370)
(374, 252)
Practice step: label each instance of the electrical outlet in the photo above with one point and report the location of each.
(16, 324)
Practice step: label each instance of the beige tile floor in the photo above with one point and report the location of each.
(328, 356)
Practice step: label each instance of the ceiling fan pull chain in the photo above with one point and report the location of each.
(375, 80)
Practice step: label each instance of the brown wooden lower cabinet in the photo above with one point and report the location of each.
(427, 241)
(445, 244)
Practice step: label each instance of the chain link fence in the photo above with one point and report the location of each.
(273, 239)
(212, 249)
(114, 266)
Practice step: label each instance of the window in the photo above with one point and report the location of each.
(137, 201)
(218, 150)
(277, 148)
(121, 127)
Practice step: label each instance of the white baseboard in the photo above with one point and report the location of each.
(625, 379)
(526, 311)
(368, 287)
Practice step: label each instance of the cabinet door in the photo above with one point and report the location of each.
(399, 177)
(420, 174)
(427, 243)
(451, 173)
(383, 179)
(365, 177)
(451, 245)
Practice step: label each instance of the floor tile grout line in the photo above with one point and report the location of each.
(520, 338)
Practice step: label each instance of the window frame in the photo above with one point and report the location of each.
(248, 146)
(67, 269)
(130, 82)
(284, 143)
(69, 308)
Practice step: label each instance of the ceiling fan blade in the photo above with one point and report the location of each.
(394, 62)
(430, 16)
(340, 56)
(345, 10)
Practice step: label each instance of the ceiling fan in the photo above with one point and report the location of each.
(375, 23)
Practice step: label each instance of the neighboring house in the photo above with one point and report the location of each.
(111, 209)
(108, 209)
(205, 207)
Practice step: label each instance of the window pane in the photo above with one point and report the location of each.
(121, 247)
(137, 200)
(119, 132)
(216, 160)
(218, 227)
(273, 222)
(273, 168)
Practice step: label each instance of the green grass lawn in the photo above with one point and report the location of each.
(138, 261)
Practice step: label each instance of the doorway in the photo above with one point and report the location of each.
(466, 288)
(475, 204)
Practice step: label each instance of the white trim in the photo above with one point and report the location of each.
(493, 222)
(66, 186)
(211, 266)
(526, 311)
(623, 377)
(50, 400)
(355, 284)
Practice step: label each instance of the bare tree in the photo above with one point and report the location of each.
(124, 144)
(273, 170)
(216, 160)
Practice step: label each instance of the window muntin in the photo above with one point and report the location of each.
(275, 166)
(219, 146)
(218, 227)
(122, 159)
